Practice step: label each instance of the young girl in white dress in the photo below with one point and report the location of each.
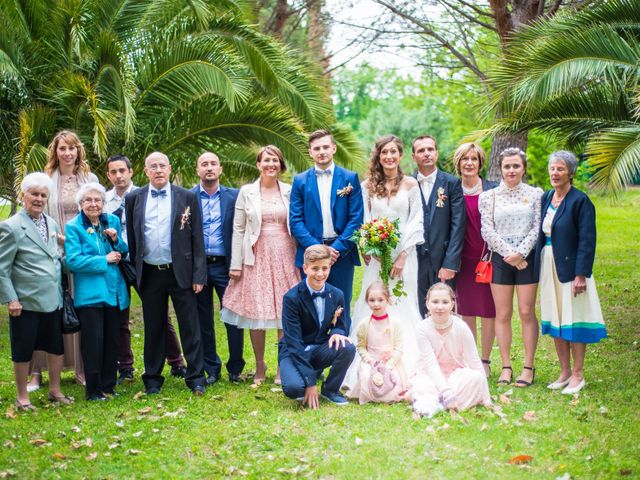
(381, 374)
(449, 372)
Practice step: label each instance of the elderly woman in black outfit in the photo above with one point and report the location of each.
(566, 248)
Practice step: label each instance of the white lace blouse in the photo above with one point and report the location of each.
(514, 226)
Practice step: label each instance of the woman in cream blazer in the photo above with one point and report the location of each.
(262, 257)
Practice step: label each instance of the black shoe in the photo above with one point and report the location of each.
(198, 390)
(335, 398)
(235, 378)
(211, 379)
(152, 391)
(180, 372)
(126, 376)
(97, 397)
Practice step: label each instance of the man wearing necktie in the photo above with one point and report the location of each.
(326, 208)
(120, 172)
(166, 245)
(444, 219)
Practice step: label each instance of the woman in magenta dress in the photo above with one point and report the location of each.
(262, 257)
(449, 373)
(474, 299)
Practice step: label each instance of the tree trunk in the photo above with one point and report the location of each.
(281, 15)
(500, 142)
(317, 33)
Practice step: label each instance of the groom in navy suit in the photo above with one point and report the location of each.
(326, 208)
(314, 334)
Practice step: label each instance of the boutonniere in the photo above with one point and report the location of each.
(185, 218)
(52, 234)
(441, 198)
(90, 231)
(336, 315)
(525, 200)
(343, 192)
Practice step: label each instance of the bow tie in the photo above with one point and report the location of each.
(426, 179)
(315, 295)
(323, 172)
(158, 193)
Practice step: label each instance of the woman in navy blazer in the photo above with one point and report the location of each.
(570, 307)
(93, 247)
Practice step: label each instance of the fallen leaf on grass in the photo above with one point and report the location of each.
(89, 442)
(76, 445)
(625, 472)
(59, 456)
(138, 395)
(504, 399)
(509, 392)
(530, 416)
(575, 401)
(603, 410)
(7, 473)
(133, 451)
(11, 413)
(566, 476)
(359, 441)
(276, 389)
(75, 429)
(8, 444)
(113, 445)
(38, 442)
(446, 426)
(120, 424)
(520, 459)
(137, 434)
(291, 471)
(174, 414)
(237, 471)
(91, 456)
(484, 427)
(144, 411)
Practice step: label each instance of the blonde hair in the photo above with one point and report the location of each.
(441, 286)
(70, 138)
(378, 286)
(465, 148)
(316, 252)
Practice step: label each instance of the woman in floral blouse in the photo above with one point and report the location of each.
(510, 221)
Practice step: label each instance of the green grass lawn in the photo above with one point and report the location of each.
(240, 431)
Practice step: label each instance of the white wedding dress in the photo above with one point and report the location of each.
(406, 206)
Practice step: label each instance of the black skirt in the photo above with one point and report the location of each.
(32, 331)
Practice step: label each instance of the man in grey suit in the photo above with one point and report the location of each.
(30, 286)
(445, 219)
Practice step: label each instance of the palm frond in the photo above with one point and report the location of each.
(614, 154)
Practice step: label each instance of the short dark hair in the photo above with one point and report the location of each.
(319, 134)
(118, 157)
(423, 137)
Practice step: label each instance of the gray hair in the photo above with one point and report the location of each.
(568, 158)
(90, 187)
(37, 180)
(156, 155)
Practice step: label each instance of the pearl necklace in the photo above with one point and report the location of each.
(473, 190)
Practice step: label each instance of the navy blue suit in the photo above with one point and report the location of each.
(305, 220)
(303, 351)
(573, 235)
(218, 279)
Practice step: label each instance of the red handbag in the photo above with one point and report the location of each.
(484, 269)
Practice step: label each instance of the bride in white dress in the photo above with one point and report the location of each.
(391, 194)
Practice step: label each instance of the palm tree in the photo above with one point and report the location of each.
(577, 77)
(137, 76)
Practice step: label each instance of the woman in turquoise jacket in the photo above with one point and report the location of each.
(94, 247)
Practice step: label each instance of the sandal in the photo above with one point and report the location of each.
(523, 383)
(504, 381)
(487, 362)
(63, 399)
(260, 380)
(25, 407)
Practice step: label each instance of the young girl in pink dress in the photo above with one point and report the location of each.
(381, 375)
(449, 373)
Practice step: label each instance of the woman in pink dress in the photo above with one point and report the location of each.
(449, 371)
(69, 170)
(474, 299)
(381, 374)
(263, 257)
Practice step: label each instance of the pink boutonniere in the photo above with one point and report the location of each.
(90, 231)
(343, 192)
(441, 198)
(185, 218)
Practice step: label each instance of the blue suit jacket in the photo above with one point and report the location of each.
(573, 235)
(301, 327)
(95, 280)
(228, 197)
(305, 215)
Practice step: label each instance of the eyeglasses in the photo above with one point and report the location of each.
(158, 167)
(92, 200)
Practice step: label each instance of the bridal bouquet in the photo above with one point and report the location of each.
(378, 238)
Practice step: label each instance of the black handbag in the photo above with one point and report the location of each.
(70, 321)
(128, 271)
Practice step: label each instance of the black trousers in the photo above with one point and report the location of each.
(427, 276)
(218, 279)
(157, 287)
(99, 338)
